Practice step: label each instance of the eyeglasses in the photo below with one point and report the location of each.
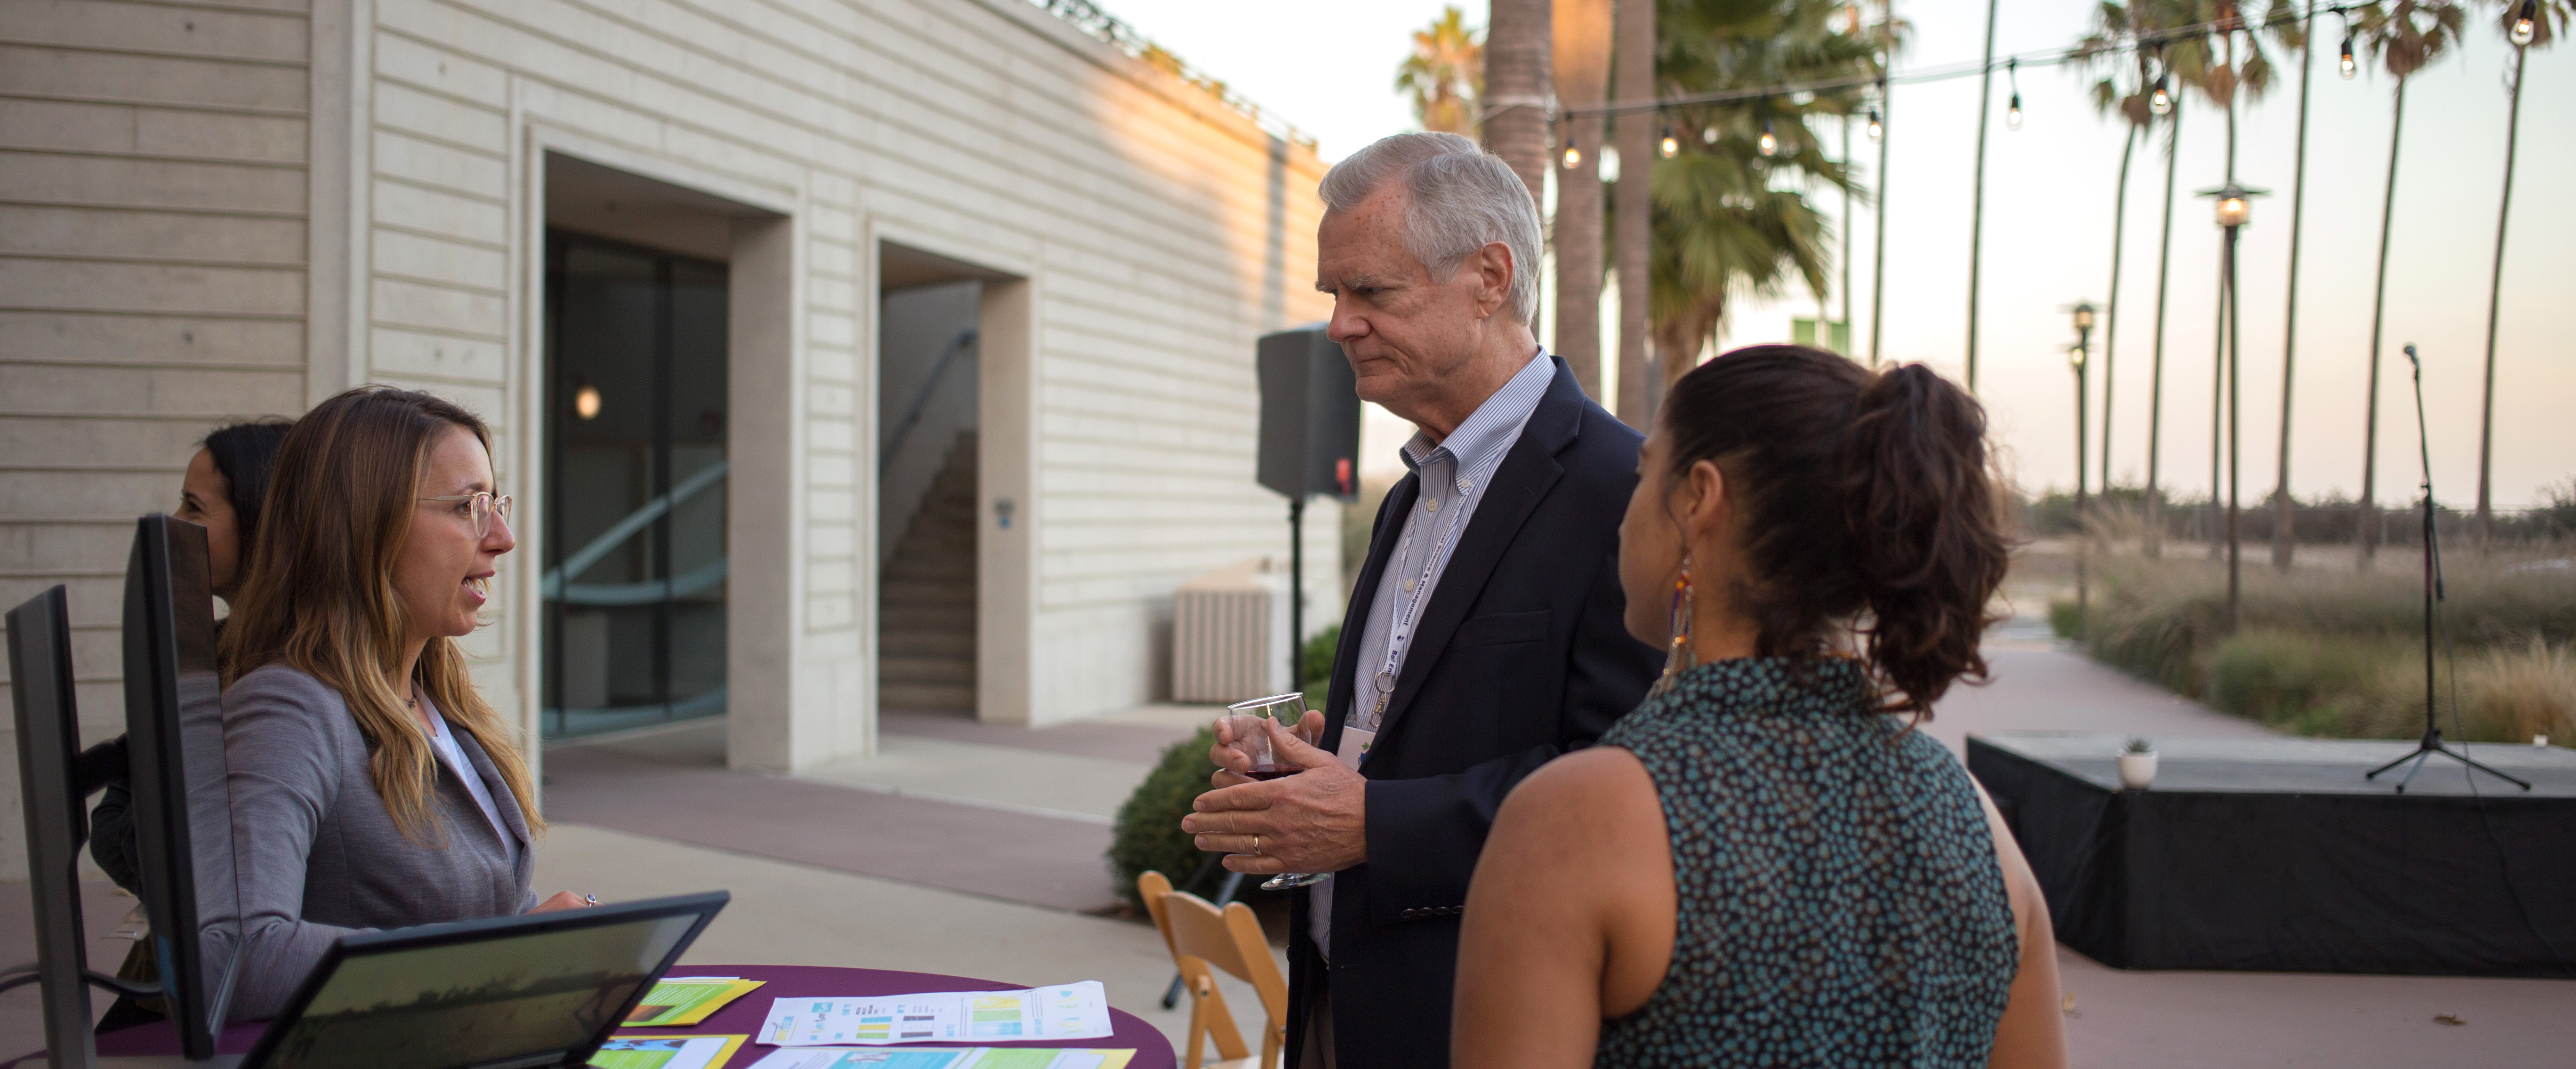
(484, 505)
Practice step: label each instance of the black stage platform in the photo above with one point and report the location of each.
(2275, 854)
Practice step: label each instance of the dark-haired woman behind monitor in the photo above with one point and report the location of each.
(226, 481)
(372, 786)
(1764, 864)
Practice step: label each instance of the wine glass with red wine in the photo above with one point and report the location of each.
(1246, 724)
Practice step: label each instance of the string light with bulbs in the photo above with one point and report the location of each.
(2346, 64)
(1573, 153)
(1670, 146)
(2526, 23)
(2154, 43)
(1877, 129)
(1770, 145)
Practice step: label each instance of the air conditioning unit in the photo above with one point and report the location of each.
(1230, 634)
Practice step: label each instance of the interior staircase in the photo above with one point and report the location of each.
(926, 618)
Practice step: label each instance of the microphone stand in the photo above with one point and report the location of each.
(2432, 742)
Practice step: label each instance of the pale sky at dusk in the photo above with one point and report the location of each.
(1329, 67)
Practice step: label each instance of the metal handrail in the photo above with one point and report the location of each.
(694, 581)
(921, 399)
(635, 522)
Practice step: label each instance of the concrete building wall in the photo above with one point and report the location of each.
(153, 200)
(168, 259)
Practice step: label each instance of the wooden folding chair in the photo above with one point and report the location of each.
(1203, 939)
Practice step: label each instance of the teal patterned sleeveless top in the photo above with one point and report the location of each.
(1839, 902)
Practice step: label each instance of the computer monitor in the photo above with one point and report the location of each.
(40, 671)
(543, 989)
(182, 811)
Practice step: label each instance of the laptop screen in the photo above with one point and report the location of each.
(525, 999)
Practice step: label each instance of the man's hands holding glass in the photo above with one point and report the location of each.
(1280, 805)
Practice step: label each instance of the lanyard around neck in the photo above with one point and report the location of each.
(1406, 606)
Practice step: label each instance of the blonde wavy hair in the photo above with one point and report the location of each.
(318, 594)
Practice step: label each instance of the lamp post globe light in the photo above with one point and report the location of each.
(2234, 207)
(2076, 358)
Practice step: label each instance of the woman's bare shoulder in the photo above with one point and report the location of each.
(1591, 800)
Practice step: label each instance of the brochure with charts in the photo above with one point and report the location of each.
(1069, 1011)
(978, 1058)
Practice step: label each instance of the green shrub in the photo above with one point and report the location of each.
(2299, 681)
(2330, 652)
(1147, 835)
(2063, 619)
(1315, 666)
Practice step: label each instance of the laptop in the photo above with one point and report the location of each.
(524, 992)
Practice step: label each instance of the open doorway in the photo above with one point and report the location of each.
(928, 515)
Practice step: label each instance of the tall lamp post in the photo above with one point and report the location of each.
(2235, 207)
(2076, 358)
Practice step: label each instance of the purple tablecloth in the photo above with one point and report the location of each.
(744, 1015)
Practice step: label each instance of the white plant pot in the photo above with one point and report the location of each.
(2137, 770)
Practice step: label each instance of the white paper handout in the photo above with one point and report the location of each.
(944, 1058)
(1070, 1011)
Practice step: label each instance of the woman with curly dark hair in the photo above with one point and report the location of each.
(1765, 864)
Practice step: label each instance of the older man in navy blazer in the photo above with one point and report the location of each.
(1485, 635)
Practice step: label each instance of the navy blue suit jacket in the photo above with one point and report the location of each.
(1521, 656)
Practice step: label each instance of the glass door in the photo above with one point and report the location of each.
(634, 581)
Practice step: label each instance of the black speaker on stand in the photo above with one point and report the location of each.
(1310, 443)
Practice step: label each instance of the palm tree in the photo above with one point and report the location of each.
(2283, 513)
(2113, 33)
(1634, 236)
(1582, 51)
(2526, 25)
(2198, 40)
(1514, 106)
(2404, 36)
(1445, 75)
(1727, 216)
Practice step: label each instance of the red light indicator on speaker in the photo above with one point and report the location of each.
(1342, 475)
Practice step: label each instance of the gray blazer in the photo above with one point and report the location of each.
(317, 855)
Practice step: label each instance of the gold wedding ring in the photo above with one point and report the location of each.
(1256, 846)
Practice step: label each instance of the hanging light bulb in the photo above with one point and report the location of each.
(2524, 23)
(2160, 101)
(1670, 146)
(1573, 154)
(1708, 136)
(1770, 145)
(2348, 67)
(2012, 113)
(1877, 129)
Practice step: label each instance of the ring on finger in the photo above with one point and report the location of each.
(1256, 846)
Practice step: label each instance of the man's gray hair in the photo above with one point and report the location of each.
(1463, 198)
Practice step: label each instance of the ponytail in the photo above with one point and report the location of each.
(1867, 510)
(1917, 495)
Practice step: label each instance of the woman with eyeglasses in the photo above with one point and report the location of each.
(372, 786)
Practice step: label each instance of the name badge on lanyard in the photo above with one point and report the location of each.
(1355, 746)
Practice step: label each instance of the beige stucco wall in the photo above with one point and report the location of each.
(168, 261)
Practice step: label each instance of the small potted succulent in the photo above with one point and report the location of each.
(2137, 764)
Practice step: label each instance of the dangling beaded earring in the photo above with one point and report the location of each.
(1682, 658)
